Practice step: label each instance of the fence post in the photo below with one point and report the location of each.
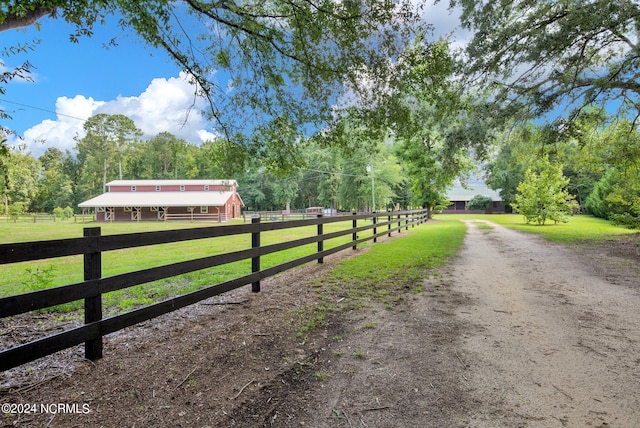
(354, 235)
(399, 224)
(321, 241)
(406, 221)
(255, 261)
(375, 230)
(389, 223)
(93, 305)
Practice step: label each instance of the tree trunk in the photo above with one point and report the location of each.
(5, 199)
(104, 175)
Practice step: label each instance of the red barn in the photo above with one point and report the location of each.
(144, 200)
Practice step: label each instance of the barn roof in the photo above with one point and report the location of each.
(459, 193)
(158, 199)
(168, 182)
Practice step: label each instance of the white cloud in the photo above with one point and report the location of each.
(167, 105)
(446, 23)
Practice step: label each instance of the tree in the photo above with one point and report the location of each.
(55, 188)
(285, 60)
(479, 202)
(506, 171)
(107, 137)
(164, 156)
(551, 52)
(421, 116)
(18, 177)
(542, 195)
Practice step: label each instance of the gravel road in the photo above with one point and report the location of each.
(548, 343)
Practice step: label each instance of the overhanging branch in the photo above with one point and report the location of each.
(12, 21)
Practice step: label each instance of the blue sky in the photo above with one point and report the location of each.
(72, 82)
(75, 81)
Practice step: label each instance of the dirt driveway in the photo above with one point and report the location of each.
(547, 340)
(515, 332)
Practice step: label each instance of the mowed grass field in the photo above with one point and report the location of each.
(579, 228)
(427, 246)
(24, 277)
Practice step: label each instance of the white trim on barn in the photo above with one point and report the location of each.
(165, 199)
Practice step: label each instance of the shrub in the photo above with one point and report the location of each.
(616, 197)
(63, 213)
(479, 202)
(16, 210)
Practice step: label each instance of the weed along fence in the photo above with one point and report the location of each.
(354, 229)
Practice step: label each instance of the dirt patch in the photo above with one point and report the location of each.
(514, 332)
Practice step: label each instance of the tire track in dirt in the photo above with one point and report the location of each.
(547, 342)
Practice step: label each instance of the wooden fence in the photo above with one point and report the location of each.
(30, 218)
(93, 244)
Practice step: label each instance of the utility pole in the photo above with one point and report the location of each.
(373, 187)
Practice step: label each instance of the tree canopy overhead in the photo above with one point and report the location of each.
(254, 61)
(574, 52)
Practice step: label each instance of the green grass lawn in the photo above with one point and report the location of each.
(30, 276)
(400, 263)
(579, 227)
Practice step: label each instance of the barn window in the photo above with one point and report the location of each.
(133, 188)
(206, 187)
(204, 210)
(182, 187)
(158, 188)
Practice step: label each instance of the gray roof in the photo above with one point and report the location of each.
(458, 193)
(158, 199)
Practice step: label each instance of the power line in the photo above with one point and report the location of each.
(41, 109)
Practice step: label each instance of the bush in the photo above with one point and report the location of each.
(63, 213)
(479, 202)
(616, 197)
(16, 210)
(595, 203)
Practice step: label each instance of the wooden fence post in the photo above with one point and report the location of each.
(399, 224)
(321, 241)
(406, 221)
(255, 261)
(389, 223)
(375, 230)
(93, 305)
(354, 235)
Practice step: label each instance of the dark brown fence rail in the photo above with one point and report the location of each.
(93, 244)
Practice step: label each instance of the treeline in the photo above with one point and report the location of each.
(112, 149)
(590, 164)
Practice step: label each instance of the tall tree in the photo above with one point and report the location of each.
(18, 177)
(433, 123)
(284, 60)
(575, 52)
(54, 188)
(163, 156)
(107, 137)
